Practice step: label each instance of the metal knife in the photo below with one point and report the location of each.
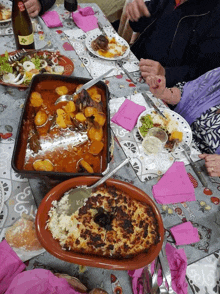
(194, 166)
(119, 62)
(150, 102)
(101, 28)
(92, 82)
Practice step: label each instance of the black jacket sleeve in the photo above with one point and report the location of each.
(45, 5)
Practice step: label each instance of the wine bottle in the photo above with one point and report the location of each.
(22, 26)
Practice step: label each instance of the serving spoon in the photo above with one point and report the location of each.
(86, 86)
(78, 194)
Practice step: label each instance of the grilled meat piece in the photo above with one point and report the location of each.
(101, 42)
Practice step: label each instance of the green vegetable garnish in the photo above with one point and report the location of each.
(5, 67)
(36, 61)
(147, 123)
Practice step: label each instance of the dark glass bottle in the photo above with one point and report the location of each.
(22, 26)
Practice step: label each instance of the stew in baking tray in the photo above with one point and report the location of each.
(67, 137)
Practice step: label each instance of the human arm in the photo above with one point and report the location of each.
(212, 163)
(33, 7)
(158, 88)
(38, 7)
(150, 67)
(136, 9)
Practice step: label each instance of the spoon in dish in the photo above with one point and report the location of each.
(78, 194)
(86, 86)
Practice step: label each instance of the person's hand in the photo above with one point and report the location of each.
(136, 9)
(212, 163)
(150, 67)
(158, 88)
(33, 7)
(157, 85)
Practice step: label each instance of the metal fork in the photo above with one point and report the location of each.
(187, 152)
(20, 54)
(120, 63)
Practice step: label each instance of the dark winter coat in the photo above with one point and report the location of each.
(194, 47)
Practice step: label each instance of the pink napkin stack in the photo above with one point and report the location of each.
(175, 186)
(177, 262)
(128, 114)
(84, 18)
(52, 19)
(13, 278)
(185, 233)
(11, 265)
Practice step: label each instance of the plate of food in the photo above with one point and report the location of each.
(122, 233)
(5, 13)
(110, 47)
(20, 73)
(176, 127)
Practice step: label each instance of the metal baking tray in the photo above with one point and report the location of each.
(21, 141)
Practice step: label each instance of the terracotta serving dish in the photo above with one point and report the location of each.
(53, 246)
(58, 147)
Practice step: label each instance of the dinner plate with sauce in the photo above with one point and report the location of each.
(110, 35)
(181, 123)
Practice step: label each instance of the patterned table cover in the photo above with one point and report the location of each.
(23, 195)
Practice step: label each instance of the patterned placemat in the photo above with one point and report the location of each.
(94, 64)
(145, 166)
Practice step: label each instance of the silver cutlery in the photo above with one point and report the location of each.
(166, 267)
(101, 28)
(78, 194)
(85, 87)
(155, 285)
(150, 102)
(20, 54)
(120, 63)
(187, 152)
(162, 287)
(147, 279)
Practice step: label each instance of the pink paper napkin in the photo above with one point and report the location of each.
(177, 262)
(128, 114)
(52, 19)
(11, 265)
(175, 186)
(84, 18)
(185, 233)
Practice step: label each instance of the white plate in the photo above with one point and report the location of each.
(120, 40)
(7, 4)
(1, 196)
(5, 20)
(183, 125)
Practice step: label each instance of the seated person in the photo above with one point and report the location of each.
(198, 101)
(179, 39)
(38, 7)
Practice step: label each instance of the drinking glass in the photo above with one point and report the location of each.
(154, 141)
(71, 6)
